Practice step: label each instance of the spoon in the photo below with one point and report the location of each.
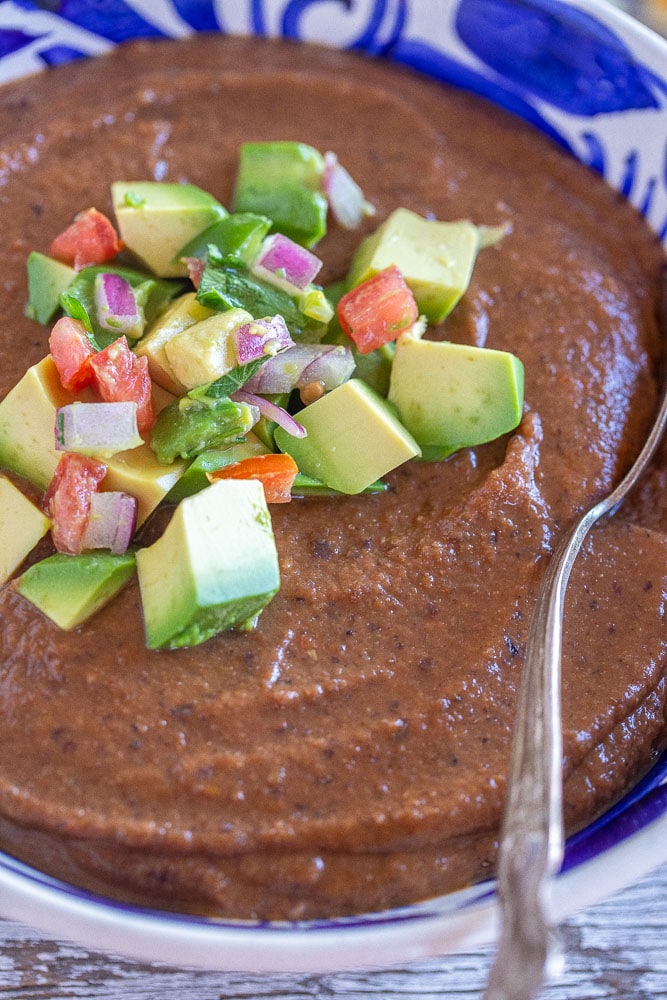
(531, 843)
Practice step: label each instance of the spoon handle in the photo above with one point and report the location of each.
(531, 844)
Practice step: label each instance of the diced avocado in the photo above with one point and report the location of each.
(283, 180)
(195, 479)
(155, 219)
(70, 589)
(354, 438)
(222, 561)
(184, 312)
(453, 396)
(435, 258)
(238, 235)
(205, 351)
(27, 422)
(27, 440)
(187, 427)
(21, 526)
(47, 279)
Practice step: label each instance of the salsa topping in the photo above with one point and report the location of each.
(218, 359)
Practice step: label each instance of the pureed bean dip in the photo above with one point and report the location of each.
(350, 753)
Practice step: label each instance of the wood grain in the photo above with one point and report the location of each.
(616, 949)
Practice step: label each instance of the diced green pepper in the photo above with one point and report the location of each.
(237, 236)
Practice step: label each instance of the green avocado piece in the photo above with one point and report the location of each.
(452, 396)
(187, 427)
(353, 438)
(214, 568)
(70, 589)
(195, 479)
(238, 235)
(283, 180)
(435, 258)
(156, 219)
(47, 279)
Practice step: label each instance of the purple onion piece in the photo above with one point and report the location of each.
(99, 429)
(272, 412)
(283, 262)
(116, 305)
(330, 364)
(111, 522)
(261, 337)
(346, 199)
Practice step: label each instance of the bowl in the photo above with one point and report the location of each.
(606, 102)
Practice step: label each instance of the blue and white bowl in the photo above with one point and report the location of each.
(595, 80)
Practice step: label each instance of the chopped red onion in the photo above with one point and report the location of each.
(116, 305)
(111, 522)
(284, 263)
(271, 411)
(98, 429)
(330, 364)
(346, 199)
(261, 337)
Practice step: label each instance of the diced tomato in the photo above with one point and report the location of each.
(119, 376)
(71, 350)
(378, 310)
(275, 472)
(91, 239)
(67, 500)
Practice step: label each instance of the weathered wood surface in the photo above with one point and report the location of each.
(617, 949)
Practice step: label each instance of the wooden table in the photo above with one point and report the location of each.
(617, 949)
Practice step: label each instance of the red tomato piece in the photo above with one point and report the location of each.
(71, 351)
(275, 472)
(67, 500)
(378, 310)
(119, 376)
(91, 239)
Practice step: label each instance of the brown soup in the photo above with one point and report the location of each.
(351, 753)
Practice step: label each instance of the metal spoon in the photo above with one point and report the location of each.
(531, 845)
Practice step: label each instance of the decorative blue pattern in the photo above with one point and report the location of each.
(199, 14)
(555, 53)
(567, 72)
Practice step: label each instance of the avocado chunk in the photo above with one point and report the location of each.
(70, 589)
(27, 440)
(47, 279)
(156, 219)
(353, 438)
(435, 258)
(283, 180)
(215, 567)
(453, 396)
(184, 312)
(205, 351)
(21, 527)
